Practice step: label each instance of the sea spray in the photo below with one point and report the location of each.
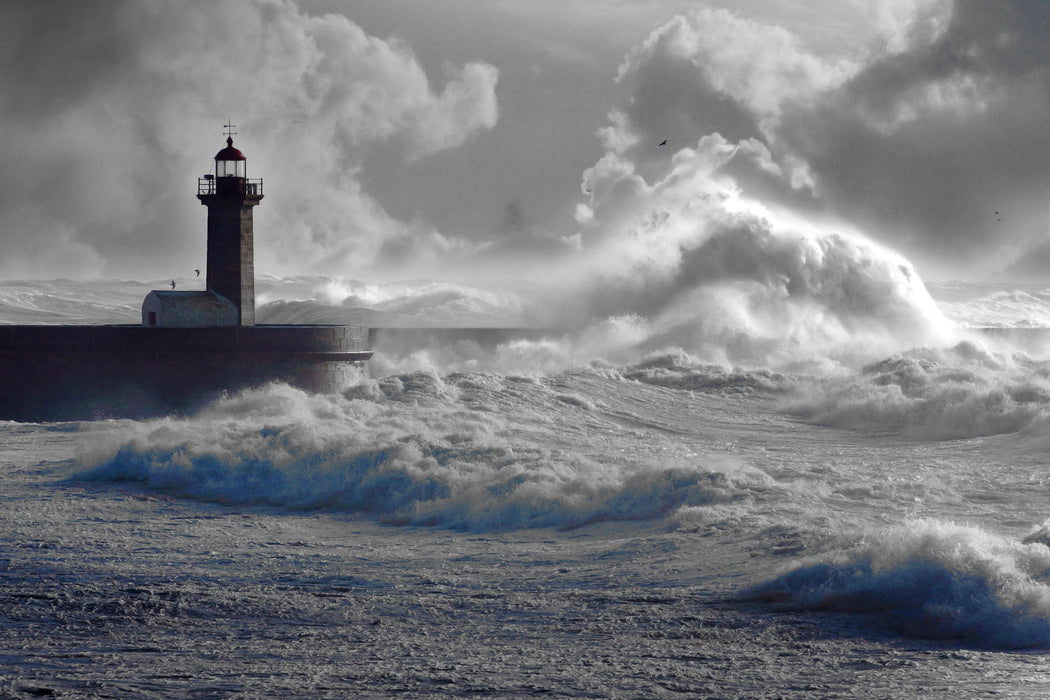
(722, 275)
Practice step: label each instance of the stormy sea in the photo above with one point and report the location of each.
(624, 509)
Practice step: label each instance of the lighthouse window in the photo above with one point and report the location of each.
(152, 318)
(229, 168)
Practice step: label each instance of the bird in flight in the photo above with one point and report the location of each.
(198, 272)
(662, 143)
(173, 284)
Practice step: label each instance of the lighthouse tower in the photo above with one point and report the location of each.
(230, 197)
(192, 346)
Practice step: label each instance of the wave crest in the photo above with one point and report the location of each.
(931, 580)
(959, 392)
(423, 449)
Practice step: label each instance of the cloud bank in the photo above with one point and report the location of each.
(105, 105)
(930, 140)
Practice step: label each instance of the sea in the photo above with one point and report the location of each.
(545, 513)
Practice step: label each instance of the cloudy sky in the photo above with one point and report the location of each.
(471, 139)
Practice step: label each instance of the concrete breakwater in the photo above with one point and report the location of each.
(92, 372)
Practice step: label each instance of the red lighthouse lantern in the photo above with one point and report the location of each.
(229, 162)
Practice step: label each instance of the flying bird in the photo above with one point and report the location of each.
(198, 272)
(662, 143)
(173, 284)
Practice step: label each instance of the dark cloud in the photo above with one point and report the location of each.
(673, 100)
(922, 147)
(59, 54)
(513, 221)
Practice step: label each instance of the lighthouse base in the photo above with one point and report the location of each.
(50, 373)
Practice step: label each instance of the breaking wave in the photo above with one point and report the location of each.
(959, 392)
(472, 451)
(931, 580)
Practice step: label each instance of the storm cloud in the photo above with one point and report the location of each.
(105, 107)
(397, 142)
(932, 140)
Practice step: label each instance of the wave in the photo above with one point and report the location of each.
(410, 303)
(90, 302)
(930, 580)
(680, 370)
(958, 392)
(977, 305)
(474, 452)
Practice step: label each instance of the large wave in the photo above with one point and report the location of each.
(932, 580)
(731, 289)
(469, 451)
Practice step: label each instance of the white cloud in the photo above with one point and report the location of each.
(905, 24)
(704, 71)
(467, 106)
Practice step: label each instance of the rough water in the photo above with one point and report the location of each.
(537, 518)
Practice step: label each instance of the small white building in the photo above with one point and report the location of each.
(194, 309)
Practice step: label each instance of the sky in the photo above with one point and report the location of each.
(636, 144)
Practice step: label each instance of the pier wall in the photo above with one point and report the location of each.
(91, 372)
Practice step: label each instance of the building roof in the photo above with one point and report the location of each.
(189, 309)
(229, 153)
(196, 298)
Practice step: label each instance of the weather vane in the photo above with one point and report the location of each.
(230, 133)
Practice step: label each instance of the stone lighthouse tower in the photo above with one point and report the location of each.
(230, 197)
(192, 345)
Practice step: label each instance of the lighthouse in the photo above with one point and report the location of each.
(230, 197)
(192, 345)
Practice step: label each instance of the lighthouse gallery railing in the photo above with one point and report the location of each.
(229, 186)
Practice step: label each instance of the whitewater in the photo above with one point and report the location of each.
(547, 515)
